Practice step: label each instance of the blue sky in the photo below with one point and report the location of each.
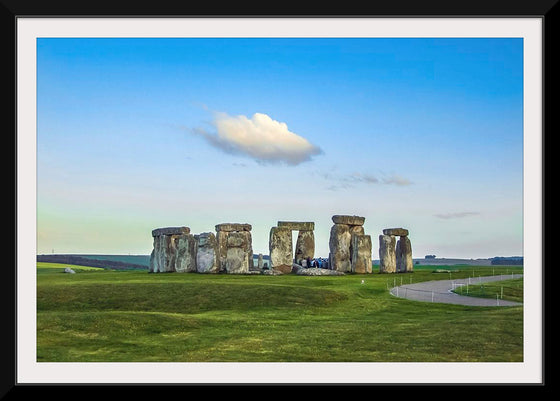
(135, 134)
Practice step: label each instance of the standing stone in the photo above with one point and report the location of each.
(388, 262)
(280, 248)
(185, 253)
(164, 254)
(221, 239)
(404, 255)
(207, 258)
(260, 264)
(222, 233)
(305, 245)
(361, 253)
(237, 246)
(339, 246)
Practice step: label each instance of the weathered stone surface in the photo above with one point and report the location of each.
(297, 225)
(315, 271)
(361, 253)
(349, 220)
(357, 230)
(235, 240)
(233, 227)
(404, 255)
(186, 247)
(260, 262)
(305, 245)
(236, 260)
(239, 254)
(339, 246)
(207, 258)
(388, 262)
(284, 269)
(171, 231)
(280, 247)
(162, 258)
(398, 232)
(221, 239)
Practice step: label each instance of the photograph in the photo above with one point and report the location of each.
(279, 200)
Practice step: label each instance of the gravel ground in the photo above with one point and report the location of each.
(441, 291)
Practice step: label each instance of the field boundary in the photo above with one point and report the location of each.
(441, 291)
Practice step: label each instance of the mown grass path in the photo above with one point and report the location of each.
(441, 291)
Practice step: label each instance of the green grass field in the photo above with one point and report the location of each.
(100, 315)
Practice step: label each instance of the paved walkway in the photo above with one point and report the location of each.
(441, 291)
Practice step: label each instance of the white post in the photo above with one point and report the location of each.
(397, 291)
(502, 292)
(432, 296)
(497, 300)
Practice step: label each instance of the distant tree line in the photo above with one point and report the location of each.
(430, 257)
(510, 260)
(81, 261)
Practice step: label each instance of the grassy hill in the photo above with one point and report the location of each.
(102, 315)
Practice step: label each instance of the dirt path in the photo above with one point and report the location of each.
(441, 291)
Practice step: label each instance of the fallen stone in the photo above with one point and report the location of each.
(171, 231)
(297, 225)
(272, 272)
(398, 232)
(316, 271)
(349, 220)
(68, 270)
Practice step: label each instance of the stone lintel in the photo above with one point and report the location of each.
(233, 227)
(400, 232)
(348, 220)
(297, 225)
(171, 231)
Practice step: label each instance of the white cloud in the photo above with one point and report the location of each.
(259, 137)
(456, 215)
(397, 180)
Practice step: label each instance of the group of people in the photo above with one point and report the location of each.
(320, 263)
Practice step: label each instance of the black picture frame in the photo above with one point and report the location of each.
(10, 10)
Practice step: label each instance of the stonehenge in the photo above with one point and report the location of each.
(350, 247)
(175, 249)
(280, 244)
(395, 256)
(230, 249)
(235, 247)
